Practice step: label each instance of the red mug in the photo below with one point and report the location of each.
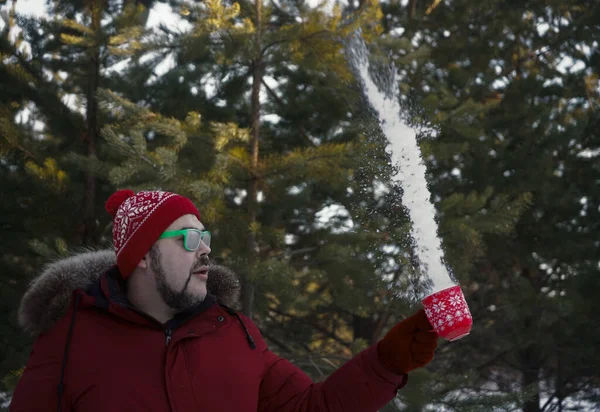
(448, 313)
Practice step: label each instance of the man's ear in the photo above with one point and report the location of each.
(145, 262)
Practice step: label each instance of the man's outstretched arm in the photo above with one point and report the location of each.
(365, 383)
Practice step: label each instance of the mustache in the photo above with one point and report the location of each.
(203, 261)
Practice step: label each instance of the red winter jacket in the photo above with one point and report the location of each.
(103, 355)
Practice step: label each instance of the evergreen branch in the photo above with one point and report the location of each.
(531, 55)
(285, 253)
(55, 107)
(283, 13)
(17, 72)
(274, 172)
(10, 133)
(562, 392)
(317, 327)
(299, 251)
(76, 40)
(431, 8)
(148, 161)
(113, 140)
(549, 401)
(277, 342)
(21, 148)
(287, 169)
(496, 358)
(72, 24)
(312, 362)
(328, 361)
(282, 104)
(385, 315)
(285, 40)
(325, 359)
(304, 346)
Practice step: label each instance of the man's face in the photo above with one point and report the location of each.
(180, 275)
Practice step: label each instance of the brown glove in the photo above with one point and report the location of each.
(408, 345)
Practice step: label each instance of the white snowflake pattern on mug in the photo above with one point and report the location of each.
(446, 311)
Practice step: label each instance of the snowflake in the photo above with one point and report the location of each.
(439, 307)
(455, 300)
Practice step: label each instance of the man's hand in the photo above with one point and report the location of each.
(408, 345)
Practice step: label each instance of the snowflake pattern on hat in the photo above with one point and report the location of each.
(447, 310)
(133, 213)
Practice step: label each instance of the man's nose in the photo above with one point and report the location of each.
(203, 249)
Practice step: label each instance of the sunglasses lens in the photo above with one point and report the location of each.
(192, 240)
(206, 238)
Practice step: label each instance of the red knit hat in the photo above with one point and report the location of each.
(140, 219)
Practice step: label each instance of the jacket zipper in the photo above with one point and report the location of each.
(168, 333)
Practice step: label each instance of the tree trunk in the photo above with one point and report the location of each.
(411, 9)
(88, 226)
(530, 378)
(530, 355)
(364, 328)
(248, 287)
(559, 378)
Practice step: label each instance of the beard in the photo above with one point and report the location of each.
(179, 301)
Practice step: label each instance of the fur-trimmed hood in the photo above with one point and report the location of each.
(48, 295)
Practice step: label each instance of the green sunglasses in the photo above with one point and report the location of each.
(191, 238)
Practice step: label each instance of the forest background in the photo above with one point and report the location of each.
(250, 108)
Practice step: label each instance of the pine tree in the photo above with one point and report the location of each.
(514, 127)
(51, 71)
(307, 163)
(230, 43)
(261, 123)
